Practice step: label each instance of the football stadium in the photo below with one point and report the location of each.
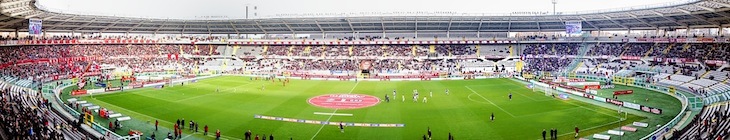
(377, 70)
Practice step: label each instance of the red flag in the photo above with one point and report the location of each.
(176, 56)
(169, 56)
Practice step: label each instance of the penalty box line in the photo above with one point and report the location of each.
(500, 108)
(333, 113)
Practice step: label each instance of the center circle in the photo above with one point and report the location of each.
(344, 101)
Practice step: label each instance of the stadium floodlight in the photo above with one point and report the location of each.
(554, 3)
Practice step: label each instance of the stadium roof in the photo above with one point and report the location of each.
(695, 14)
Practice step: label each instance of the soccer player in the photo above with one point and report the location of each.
(552, 133)
(403, 98)
(425, 100)
(217, 134)
(156, 124)
(196, 127)
(263, 87)
(386, 98)
(247, 135)
(342, 128)
(394, 93)
(510, 96)
(430, 93)
(429, 132)
(492, 117)
(192, 124)
(271, 137)
(451, 137)
(205, 130)
(415, 98)
(576, 132)
(447, 91)
(182, 123)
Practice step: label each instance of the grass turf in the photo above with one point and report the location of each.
(464, 113)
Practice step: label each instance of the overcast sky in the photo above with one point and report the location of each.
(187, 9)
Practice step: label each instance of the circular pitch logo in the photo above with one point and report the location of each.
(344, 101)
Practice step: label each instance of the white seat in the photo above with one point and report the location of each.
(124, 118)
(614, 132)
(640, 124)
(115, 115)
(601, 136)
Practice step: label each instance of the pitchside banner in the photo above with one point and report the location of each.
(35, 26)
(573, 27)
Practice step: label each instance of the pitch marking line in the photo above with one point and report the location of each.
(475, 100)
(211, 94)
(328, 119)
(336, 114)
(500, 108)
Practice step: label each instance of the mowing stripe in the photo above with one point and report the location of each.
(328, 119)
(336, 114)
(500, 108)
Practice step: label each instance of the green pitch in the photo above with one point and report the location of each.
(465, 112)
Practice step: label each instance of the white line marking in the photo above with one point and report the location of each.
(328, 119)
(194, 97)
(336, 114)
(500, 108)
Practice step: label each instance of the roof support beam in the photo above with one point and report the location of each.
(13, 2)
(615, 22)
(538, 27)
(261, 27)
(481, 21)
(161, 25)
(318, 26)
(706, 8)
(700, 18)
(449, 28)
(642, 21)
(584, 20)
(289, 27)
(184, 25)
(719, 3)
(509, 25)
(33, 15)
(349, 23)
(12, 22)
(111, 25)
(705, 20)
(670, 19)
(11, 9)
(20, 13)
(207, 26)
(86, 24)
(234, 27)
(382, 24)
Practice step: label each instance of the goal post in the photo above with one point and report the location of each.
(541, 87)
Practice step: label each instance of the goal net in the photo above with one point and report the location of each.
(545, 88)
